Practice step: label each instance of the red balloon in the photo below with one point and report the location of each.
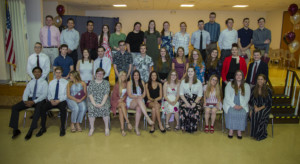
(293, 8)
(290, 36)
(60, 9)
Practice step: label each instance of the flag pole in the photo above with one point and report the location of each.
(10, 76)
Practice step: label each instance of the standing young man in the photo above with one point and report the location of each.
(245, 40)
(89, 40)
(201, 39)
(262, 37)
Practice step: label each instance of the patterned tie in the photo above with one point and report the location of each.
(254, 73)
(34, 90)
(49, 37)
(56, 91)
(100, 66)
(201, 41)
(38, 61)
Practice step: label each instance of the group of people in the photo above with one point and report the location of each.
(167, 79)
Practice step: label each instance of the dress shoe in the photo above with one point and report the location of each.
(16, 133)
(163, 130)
(62, 132)
(239, 137)
(41, 132)
(152, 131)
(229, 136)
(28, 135)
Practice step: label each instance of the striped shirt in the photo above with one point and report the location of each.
(214, 31)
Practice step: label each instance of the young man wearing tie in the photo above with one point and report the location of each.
(33, 96)
(102, 62)
(57, 95)
(255, 68)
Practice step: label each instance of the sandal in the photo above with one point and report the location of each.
(168, 127)
(91, 132)
(73, 129)
(79, 128)
(177, 128)
(138, 133)
(129, 126)
(106, 132)
(206, 130)
(150, 122)
(123, 132)
(212, 130)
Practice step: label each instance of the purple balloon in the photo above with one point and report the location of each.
(290, 36)
(293, 8)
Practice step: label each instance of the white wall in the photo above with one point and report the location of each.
(34, 11)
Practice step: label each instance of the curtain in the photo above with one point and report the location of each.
(19, 32)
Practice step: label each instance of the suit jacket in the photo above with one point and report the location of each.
(262, 69)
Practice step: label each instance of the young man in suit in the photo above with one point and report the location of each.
(255, 68)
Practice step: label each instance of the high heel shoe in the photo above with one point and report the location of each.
(163, 131)
(106, 132)
(123, 132)
(138, 133)
(229, 136)
(150, 122)
(152, 131)
(206, 130)
(129, 126)
(212, 129)
(239, 137)
(91, 132)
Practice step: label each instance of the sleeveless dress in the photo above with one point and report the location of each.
(166, 41)
(171, 94)
(105, 44)
(139, 93)
(154, 93)
(86, 71)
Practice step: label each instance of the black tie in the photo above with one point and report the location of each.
(201, 40)
(38, 61)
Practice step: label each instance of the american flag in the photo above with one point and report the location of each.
(9, 43)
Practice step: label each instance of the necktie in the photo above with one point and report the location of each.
(201, 41)
(38, 61)
(100, 66)
(56, 91)
(34, 90)
(49, 37)
(254, 73)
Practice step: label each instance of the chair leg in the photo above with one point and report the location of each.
(145, 123)
(67, 120)
(223, 122)
(24, 119)
(85, 121)
(202, 122)
(272, 127)
(109, 126)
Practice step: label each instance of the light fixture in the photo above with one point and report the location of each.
(120, 5)
(187, 5)
(240, 6)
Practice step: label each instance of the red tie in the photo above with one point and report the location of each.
(253, 74)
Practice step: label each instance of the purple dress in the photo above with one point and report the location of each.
(180, 68)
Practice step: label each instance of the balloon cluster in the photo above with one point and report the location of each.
(289, 37)
(60, 9)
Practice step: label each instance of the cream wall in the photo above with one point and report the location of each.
(274, 23)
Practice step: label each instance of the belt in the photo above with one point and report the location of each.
(51, 47)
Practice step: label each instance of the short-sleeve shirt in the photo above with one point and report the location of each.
(122, 61)
(65, 63)
(245, 36)
(142, 64)
(135, 40)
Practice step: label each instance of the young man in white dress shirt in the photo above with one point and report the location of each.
(57, 95)
(102, 62)
(201, 39)
(227, 38)
(33, 96)
(38, 59)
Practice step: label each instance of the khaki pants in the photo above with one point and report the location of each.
(248, 53)
(52, 53)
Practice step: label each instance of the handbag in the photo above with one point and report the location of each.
(80, 94)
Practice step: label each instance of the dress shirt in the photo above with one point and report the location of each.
(55, 36)
(62, 92)
(194, 89)
(41, 93)
(44, 64)
(88, 40)
(106, 65)
(196, 39)
(65, 62)
(227, 38)
(245, 36)
(70, 37)
(214, 30)
(255, 62)
(181, 41)
(259, 37)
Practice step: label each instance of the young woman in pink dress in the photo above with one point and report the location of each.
(104, 41)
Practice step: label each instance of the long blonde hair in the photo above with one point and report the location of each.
(199, 61)
(76, 77)
(217, 88)
(122, 73)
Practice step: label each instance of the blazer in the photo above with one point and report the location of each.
(229, 98)
(262, 69)
(226, 65)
